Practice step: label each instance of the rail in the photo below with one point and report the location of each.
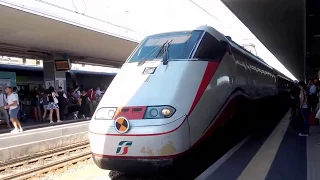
(40, 163)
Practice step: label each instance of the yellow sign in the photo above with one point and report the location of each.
(121, 125)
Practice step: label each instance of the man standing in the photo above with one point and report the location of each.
(312, 96)
(98, 93)
(62, 102)
(13, 106)
(92, 100)
(3, 103)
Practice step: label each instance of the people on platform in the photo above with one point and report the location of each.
(13, 106)
(312, 96)
(98, 92)
(303, 97)
(53, 104)
(40, 104)
(44, 102)
(295, 102)
(3, 103)
(92, 98)
(84, 105)
(35, 103)
(62, 98)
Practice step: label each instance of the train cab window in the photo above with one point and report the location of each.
(210, 48)
(181, 45)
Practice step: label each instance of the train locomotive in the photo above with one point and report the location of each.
(174, 91)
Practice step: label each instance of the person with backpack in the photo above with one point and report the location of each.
(63, 102)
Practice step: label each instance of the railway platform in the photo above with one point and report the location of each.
(278, 154)
(42, 137)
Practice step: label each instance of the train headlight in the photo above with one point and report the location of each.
(153, 112)
(105, 113)
(158, 112)
(166, 112)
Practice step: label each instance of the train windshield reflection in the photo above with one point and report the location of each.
(181, 46)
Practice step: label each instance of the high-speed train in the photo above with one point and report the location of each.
(174, 91)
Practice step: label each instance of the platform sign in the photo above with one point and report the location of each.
(62, 65)
(49, 83)
(61, 83)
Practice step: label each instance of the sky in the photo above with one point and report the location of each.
(136, 19)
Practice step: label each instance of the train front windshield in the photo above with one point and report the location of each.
(179, 46)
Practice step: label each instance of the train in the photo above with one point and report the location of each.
(29, 76)
(175, 91)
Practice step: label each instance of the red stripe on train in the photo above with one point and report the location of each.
(219, 121)
(207, 76)
(130, 112)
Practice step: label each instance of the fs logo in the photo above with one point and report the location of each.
(123, 147)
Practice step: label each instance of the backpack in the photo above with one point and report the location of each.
(73, 101)
(62, 100)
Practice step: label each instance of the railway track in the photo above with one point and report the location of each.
(37, 164)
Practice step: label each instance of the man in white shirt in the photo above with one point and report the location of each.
(98, 92)
(312, 88)
(13, 106)
(3, 111)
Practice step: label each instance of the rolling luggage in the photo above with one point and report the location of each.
(22, 115)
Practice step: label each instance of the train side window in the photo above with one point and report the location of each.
(210, 48)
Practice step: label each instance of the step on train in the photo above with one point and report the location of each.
(174, 91)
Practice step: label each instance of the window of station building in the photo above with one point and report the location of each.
(210, 48)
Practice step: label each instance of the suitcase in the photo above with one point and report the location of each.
(312, 119)
(22, 115)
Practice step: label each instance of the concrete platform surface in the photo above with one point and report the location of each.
(280, 154)
(41, 139)
(31, 124)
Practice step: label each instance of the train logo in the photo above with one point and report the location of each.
(121, 124)
(123, 147)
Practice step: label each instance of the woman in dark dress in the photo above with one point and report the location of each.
(35, 102)
(84, 107)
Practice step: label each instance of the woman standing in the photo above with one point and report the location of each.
(35, 102)
(303, 96)
(44, 100)
(84, 106)
(53, 104)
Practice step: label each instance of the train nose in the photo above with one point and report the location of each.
(144, 112)
(107, 119)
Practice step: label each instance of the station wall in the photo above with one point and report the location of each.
(7, 79)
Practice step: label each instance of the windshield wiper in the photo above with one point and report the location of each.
(161, 50)
(164, 50)
(165, 57)
(158, 54)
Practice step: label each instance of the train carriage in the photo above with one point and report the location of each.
(174, 91)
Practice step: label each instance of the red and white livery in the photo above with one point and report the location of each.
(173, 91)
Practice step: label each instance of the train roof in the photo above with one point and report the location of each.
(39, 68)
(248, 53)
(218, 35)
